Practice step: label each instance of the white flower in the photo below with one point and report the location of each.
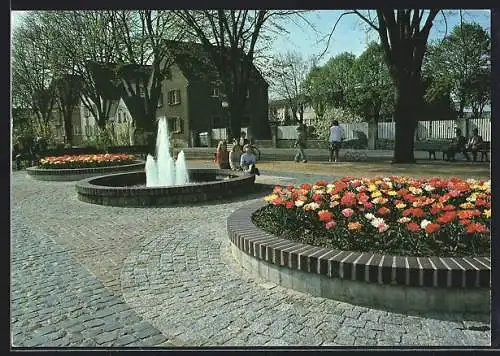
(428, 188)
(299, 203)
(369, 216)
(404, 220)
(424, 223)
(311, 206)
(377, 221)
(360, 188)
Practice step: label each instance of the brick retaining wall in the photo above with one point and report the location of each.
(455, 275)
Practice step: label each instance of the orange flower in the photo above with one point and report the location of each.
(354, 225)
(447, 217)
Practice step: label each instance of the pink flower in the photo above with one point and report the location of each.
(347, 212)
(330, 224)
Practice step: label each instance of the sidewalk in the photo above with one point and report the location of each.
(312, 154)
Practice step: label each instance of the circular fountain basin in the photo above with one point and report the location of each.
(129, 189)
(72, 174)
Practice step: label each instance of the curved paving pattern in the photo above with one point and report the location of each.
(172, 266)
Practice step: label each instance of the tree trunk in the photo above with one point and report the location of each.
(406, 111)
(235, 112)
(68, 127)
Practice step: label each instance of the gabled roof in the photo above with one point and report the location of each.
(196, 63)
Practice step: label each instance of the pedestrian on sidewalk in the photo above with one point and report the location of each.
(300, 143)
(335, 139)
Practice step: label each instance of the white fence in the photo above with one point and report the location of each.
(439, 129)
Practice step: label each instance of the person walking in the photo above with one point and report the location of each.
(334, 140)
(300, 144)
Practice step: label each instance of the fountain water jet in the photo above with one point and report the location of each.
(165, 171)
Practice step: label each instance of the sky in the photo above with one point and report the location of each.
(349, 35)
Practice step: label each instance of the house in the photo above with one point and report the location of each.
(193, 96)
(280, 111)
(120, 124)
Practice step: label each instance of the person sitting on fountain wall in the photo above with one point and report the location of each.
(248, 160)
(222, 155)
(235, 156)
(243, 139)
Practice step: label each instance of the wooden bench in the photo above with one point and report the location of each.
(433, 146)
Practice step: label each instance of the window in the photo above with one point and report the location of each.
(214, 91)
(87, 112)
(160, 100)
(248, 93)
(174, 97)
(142, 94)
(175, 125)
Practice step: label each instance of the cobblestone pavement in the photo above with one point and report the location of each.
(89, 275)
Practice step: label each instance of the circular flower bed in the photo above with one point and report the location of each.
(86, 161)
(397, 215)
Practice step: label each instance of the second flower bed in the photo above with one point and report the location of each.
(86, 161)
(397, 215)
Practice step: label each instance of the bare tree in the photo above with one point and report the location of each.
(140, 39)
(290, 72)
(32, 75)
(230, 37)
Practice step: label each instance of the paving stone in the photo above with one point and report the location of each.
(158, 272)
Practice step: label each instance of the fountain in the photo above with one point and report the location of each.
(164, 171)
(165, 181)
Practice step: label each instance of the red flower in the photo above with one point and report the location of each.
(419, 213)
(480, 202)
(464, 222)
(435, 209)
(363, 198)
(449, 207)
(305, 186)
(383, 211)
(432, 227)
(321, 183)
(325, 215)
(317, 197)
(289, 204)
(475, 227)
(413, 227)
(447, 217)
(348, 199)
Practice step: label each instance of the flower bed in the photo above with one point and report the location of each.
(86, 161)
(397, 215)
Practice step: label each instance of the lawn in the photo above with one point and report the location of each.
(428, 169)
